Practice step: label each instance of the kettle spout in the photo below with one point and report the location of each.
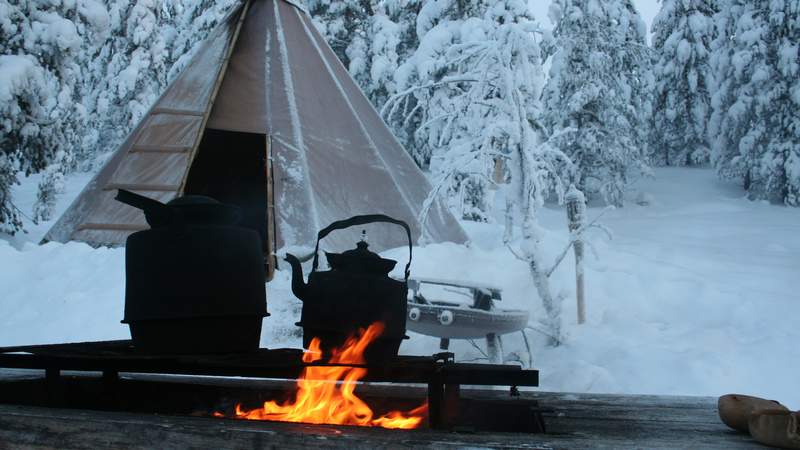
(298, 285)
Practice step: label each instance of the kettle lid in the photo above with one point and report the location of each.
(362, 252)
(360, 259)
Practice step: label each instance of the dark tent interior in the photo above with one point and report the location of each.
(232, 167)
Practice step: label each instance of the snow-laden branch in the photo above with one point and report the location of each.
(447, 80)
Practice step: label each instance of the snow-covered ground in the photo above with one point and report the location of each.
(696, 293)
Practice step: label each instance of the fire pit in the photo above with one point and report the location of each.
(440, 376)
(326, 394)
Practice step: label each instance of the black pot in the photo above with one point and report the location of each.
(195, 281)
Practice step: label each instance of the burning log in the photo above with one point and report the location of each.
(326, 393)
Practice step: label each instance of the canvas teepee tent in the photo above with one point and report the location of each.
(264, 116)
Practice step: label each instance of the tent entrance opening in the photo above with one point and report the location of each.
(232, 168)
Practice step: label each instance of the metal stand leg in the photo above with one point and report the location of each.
(491, 348)
(435, 403)
(110, 397)
(52, 376)
(500, 350)
(110, 377)
(452, 393)
(53, 386)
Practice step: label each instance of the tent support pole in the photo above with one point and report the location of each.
(272, 259)
(217, 84)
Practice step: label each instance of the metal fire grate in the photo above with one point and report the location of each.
(442, 375)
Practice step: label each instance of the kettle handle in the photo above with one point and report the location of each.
(362, 220)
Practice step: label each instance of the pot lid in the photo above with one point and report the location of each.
(205, 210)
(193, 200)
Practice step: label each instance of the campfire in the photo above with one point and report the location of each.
(326, 393)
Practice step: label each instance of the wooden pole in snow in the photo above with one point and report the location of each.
(576, 213)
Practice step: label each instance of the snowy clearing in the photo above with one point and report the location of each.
(695, 295)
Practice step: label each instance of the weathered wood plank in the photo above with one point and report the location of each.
(577, 421)
(32, 427)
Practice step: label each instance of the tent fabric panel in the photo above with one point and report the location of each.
(109, 211)
(169, 130)
(147, 168)
(294, 220)
(240, 104)
(440, 224)
(350, 173)
(295, 211)
(191, 91)
(63, 230)
(106, 211)
(101, 237)
(160, 131)
(348, 176)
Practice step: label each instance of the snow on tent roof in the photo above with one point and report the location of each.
(267, 70)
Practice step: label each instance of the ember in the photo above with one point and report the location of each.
(325, 394)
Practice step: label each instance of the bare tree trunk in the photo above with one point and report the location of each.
(530, 246)
(576, 216)
(508, 232)
(552, 307)
(579, 287)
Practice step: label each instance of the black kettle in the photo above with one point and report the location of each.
(195, 280)
(355, 293)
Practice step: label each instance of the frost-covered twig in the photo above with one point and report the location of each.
(561, 257)
(477, 347)
(576, 236)
(22, 213)
(529, 327)
(527, 347)
(428, 203)
(516, 255)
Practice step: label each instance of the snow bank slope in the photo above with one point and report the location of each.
(695, 295)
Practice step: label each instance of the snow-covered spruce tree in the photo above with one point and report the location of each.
(404, 14)
(402, 20)
(682, 34)
(755, 124)
(413, 29)
(373, 38)
(476, 84)
(596, 104)
(137, 58)
(637, 70)
(453, 97)
(357, 30)
(150, 43)
(75, 76)
(342, 22)
(10, 221)
(370, 38)
(41, 67)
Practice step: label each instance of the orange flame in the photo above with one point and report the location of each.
(326, 394)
